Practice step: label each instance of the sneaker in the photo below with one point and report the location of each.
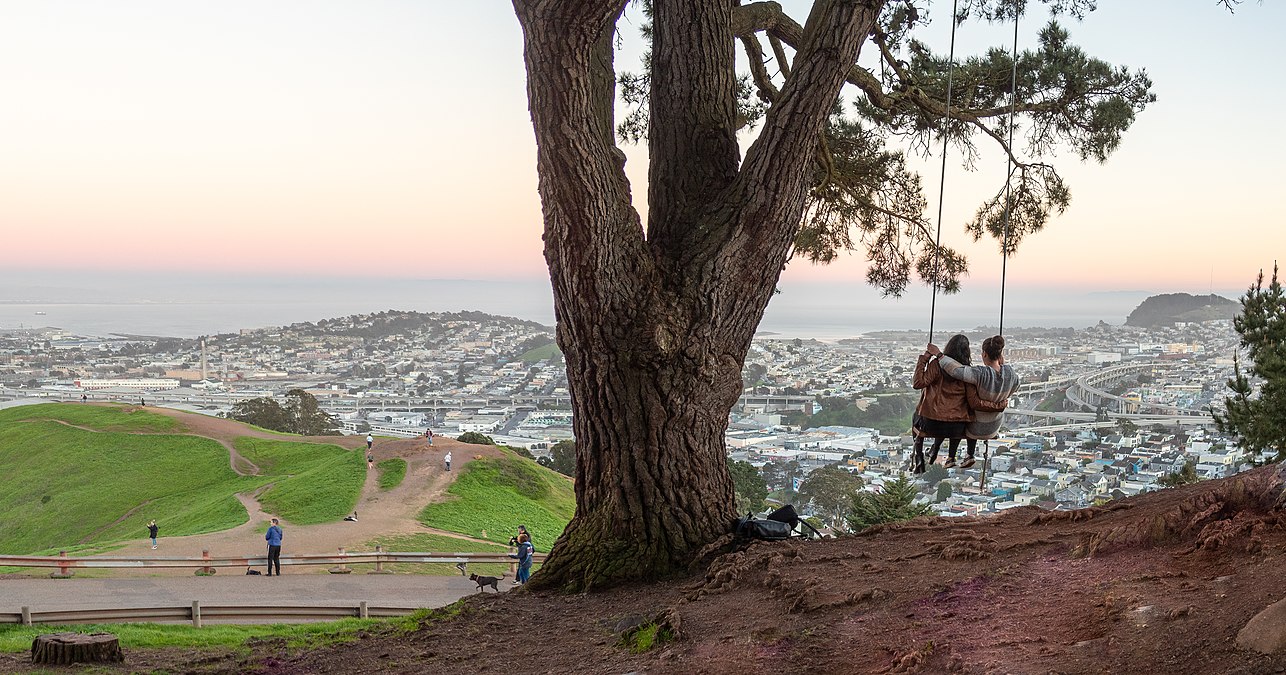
(153, 548)
(968, 462)
(517, 583)
(949, 464)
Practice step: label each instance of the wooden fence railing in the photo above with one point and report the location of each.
(207, 563)
(198, 614)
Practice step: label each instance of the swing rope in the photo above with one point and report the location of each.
(1009, 173)
(1004, 247)
(942, 179)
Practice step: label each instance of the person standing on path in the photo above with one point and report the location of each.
(273, 537)
(428, 433)
(513, 548)
(152, 529)
(447, 459)
(370, 440)
(525, 551)
(370, 460)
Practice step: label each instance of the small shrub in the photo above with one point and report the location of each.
(646, 637)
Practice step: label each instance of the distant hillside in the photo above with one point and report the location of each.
(1166, 309)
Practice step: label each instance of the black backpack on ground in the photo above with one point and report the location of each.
(749, 527)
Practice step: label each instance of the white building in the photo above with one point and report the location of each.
(139, 384)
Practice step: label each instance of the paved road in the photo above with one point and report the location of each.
(392, 590)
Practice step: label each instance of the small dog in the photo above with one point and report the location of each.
(251, 572)
(493, 582)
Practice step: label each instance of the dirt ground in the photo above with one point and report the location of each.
(1160, 583)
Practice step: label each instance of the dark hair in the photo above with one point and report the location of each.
(958, 349)
(992, 346)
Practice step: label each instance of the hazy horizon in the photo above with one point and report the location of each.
(182, 305)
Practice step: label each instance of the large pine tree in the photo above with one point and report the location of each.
(655, 319)
(1256, 411)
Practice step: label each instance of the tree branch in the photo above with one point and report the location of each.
(775, 178)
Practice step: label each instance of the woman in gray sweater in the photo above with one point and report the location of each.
(995, 382)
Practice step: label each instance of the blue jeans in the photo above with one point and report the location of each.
(524, 573)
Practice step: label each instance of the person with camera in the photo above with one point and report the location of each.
(513, 549)
(525, 557)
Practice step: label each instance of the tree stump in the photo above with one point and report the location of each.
(66, 648)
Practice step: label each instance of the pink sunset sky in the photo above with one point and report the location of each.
(391, 139)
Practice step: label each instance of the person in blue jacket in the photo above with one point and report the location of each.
(524, 555)
(273, 537)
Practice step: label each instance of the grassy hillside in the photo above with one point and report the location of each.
(75, 474)
(391, 472)
(311, 482)
(111, 417)
(65, 485)
(498, 495)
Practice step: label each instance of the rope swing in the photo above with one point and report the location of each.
(1004, 246)
(942, 179)
(1009, 173)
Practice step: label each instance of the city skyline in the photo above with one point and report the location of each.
(341, 140)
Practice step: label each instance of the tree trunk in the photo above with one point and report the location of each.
(656, 328)
(66, 648)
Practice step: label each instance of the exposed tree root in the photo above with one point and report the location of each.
(1230, 516)
(1078, 515)
(921, 523)
(906, 662)
(963, 545)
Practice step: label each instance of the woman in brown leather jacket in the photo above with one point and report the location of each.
(943, 411)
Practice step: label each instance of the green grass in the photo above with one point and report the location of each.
(312, 482)
(64, 485)
(497, 495)
(539, 354)
(646, 637)
(16, 638)
(437, 543)
(391, 472)
(112, 417)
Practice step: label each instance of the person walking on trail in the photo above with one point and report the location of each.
(524, 555)
(273, 537)
(152, 529)
(370, 460)
(428, 435)
(370, 440)
(447, 460)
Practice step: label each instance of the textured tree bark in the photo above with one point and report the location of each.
(66, 648)
(656, 328)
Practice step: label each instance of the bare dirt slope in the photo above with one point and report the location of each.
(1158, 583)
